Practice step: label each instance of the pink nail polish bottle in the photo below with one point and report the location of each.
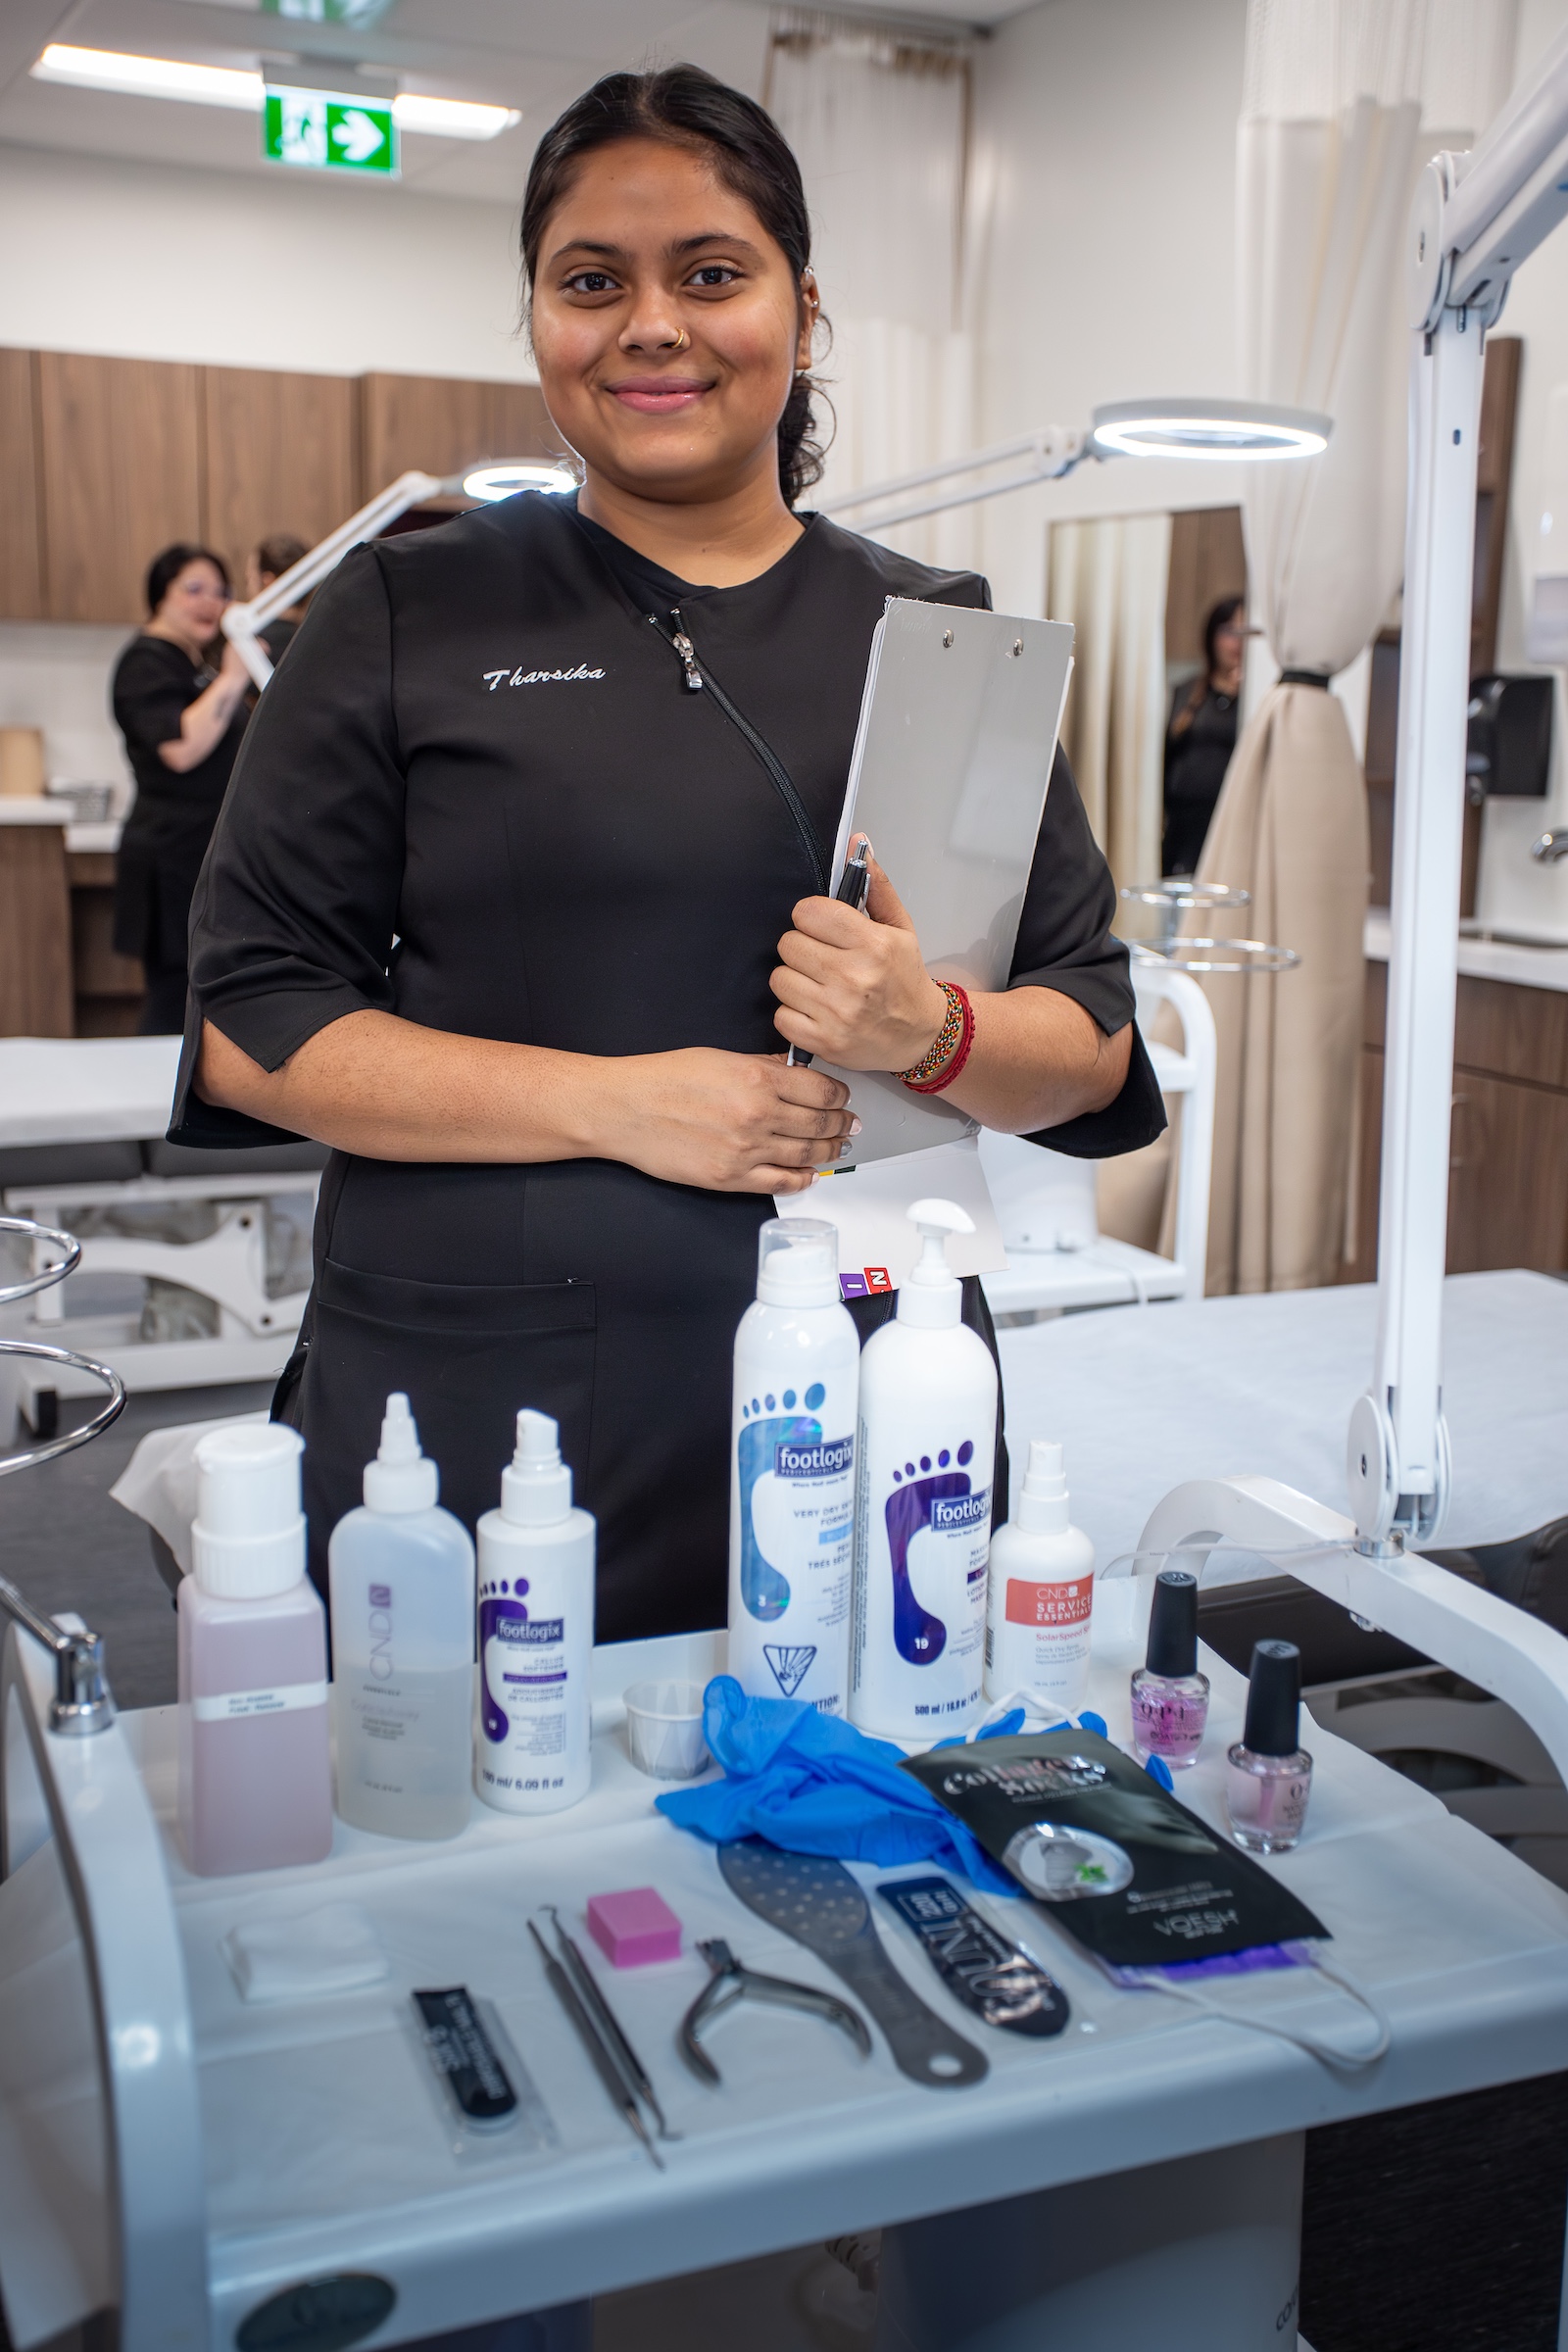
(1268, 1774)
(1170, 1697)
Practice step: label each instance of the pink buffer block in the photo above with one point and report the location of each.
(634, 1927)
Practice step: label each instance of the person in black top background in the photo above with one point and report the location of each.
(182, 719)
(1201, 736)
(523, 885)
(267, 561)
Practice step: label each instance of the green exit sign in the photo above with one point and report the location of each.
(318, 132)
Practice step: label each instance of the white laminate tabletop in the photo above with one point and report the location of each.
(1145, 1397)
(1518, 962)
(85, 1090)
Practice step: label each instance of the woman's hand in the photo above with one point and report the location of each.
(729, 1122)
(853, 988)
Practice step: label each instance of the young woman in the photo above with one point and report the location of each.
(183, 717)
(1201, 736)
(519, 918)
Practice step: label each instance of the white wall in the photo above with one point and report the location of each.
(149, 261)
(1105, 155)
(56, 676)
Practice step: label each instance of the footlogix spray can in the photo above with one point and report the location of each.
(792, 1473)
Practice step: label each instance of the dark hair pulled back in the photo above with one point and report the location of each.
(164, 569)
(688, 108)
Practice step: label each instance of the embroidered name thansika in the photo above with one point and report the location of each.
(539, 677)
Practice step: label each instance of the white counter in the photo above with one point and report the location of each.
(1483, 958)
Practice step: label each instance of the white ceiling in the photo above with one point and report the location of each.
(534, 55)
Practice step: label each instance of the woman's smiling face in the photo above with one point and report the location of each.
(668, 325)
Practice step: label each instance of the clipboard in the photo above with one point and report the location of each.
(953, 758)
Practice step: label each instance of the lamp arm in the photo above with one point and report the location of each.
(243, 623)
(1052, 451)
(1514, 1656)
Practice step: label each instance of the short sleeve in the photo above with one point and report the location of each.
(151, 695)
(1066, 941)
(294, 916)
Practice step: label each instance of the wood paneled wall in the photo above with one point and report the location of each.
(438, 425)
(22, 581)
(121, 445)
(105, 461)
(282, 455)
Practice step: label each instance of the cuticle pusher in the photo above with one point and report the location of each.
(630, 2067)
(566, 1993)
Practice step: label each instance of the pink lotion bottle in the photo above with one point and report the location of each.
(255, 1757)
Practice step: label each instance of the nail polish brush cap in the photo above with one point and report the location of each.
(1274, 1700)
(1173, 1624)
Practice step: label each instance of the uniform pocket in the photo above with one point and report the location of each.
(467, 1355)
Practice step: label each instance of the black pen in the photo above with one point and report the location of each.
(853, 884)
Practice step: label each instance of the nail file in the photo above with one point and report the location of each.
(996, 1979)
(823, 1907)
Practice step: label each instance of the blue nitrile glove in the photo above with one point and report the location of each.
(813, 1784)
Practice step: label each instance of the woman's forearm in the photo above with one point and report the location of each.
(1038, 1059)
(203, 724)
(386, 1089)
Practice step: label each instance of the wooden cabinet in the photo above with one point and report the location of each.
(441, 424)
(107, 988)
(34, 932)
(281, 455)
(1508, 1148)
(121, 446)
(22, 586)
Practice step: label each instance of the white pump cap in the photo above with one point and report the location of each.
(536, 1489)
(932, 1297)
(1041, 1505)
(798, 1262)
(400, 1479)
(248, 1539)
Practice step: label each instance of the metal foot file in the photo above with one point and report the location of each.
(819, 1904)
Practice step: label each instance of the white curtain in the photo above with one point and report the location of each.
(1108, 578)
(1330, 143)
(880, 123)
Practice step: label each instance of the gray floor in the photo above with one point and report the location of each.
(69, 1547)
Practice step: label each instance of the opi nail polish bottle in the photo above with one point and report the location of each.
(1170, 1697)
(1268, 1774)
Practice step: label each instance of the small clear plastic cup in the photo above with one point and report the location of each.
(665, 1730)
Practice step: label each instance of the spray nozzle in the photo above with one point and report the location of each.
(1040, 1503)
(536, 1484)
(931, 1295)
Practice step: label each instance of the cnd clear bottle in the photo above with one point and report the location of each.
(1268, 1774)
(1170, 1697)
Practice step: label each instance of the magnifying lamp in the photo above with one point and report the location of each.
(506, 476)
(1216, 428)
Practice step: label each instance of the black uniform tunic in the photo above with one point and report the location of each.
(481, 793)
(171, 825)
(1196, 761)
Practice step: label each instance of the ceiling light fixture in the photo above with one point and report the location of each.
(506, 477)
(245, 92)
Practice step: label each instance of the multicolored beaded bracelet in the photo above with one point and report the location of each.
(938, 1067)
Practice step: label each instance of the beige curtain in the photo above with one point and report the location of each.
(880, 121)
(1330, 143)
(1108, 578)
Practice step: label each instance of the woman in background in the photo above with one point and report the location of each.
(183, 718)
(1201, 736)
(267, 561)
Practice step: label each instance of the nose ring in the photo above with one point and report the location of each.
(681, 343)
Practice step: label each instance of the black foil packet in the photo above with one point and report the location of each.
(1001, 1984)
(1112, 1859)
(464, 2055)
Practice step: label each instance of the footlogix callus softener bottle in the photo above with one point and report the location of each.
(255, 1760)
(1042, 1587)
(402, 1582)
(792, 1472)
(927, 1448)
(536, 1633)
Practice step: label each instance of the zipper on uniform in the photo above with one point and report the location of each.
(697, 682)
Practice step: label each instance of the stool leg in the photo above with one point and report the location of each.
(1200, 2255)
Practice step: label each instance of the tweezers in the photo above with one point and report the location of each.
(731, 1981)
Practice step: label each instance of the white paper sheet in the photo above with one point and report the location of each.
(869, 1206)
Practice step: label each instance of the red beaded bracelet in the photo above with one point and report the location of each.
(937, 1069)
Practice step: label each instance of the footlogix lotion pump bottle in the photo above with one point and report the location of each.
(402, 1582)
(792, 1472)
(927, 1449)
(536, 1633)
